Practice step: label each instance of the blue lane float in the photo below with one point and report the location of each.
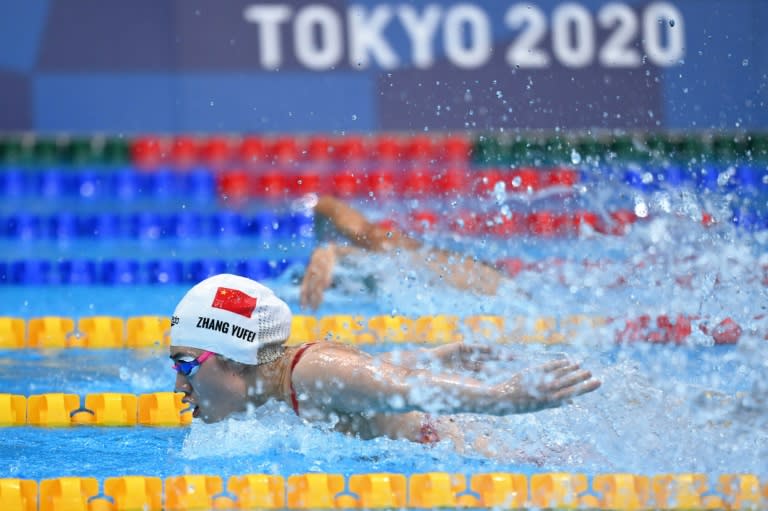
(119, 272)
(264, 225)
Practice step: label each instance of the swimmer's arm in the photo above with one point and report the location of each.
(461, 271)
(319, 273)
(362, 233)
(455, 355)
(345, 381)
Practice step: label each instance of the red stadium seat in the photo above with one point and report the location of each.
(419, 148)
(347, 183)
(423, 220)
(184, 151)
(381, 182)
(252, 150)
(417, 182)
(148, 151)
(387, 149)
(351, 148)
(522, 180)
(273, 183)
(285, 151)
(451, 181)
(234, 184)
(561, 177)
(216, 151)
(305, 182)
(484, 182)
(455, 150)
(319, 149)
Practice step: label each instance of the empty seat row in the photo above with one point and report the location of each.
(113, 272)
(383, 182)
(430, 490)
(149, 151)
(126, 183)
(264, 225)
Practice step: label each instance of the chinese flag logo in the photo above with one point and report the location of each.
(233, 300)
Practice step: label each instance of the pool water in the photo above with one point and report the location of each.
(696, 407)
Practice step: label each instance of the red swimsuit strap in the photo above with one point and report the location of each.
(296, 358)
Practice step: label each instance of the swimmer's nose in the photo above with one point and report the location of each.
(182, 384)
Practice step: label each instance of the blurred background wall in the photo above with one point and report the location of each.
(301, 66)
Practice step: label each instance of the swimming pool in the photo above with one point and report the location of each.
(682, 404)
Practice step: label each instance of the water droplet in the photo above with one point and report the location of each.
(745, 62)
(354, 117)
(575, 157)
(671, 23)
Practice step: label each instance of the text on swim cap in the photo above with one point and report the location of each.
(224, 327)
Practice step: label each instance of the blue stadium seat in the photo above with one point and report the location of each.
(634, 178)
(91, 184)
(187, 225)
(302, 225)
(149, 226)
(30, 272)
(199, 184)
(129, 184)
(164, 183)
(674, 176)
(120, 271)
(24, 226)
(227, 224)
(201, 269)
(165, 271)
(64, 226)
(264, 225)
(101, 226)
(77, 272)
(14, 182)
(747, 176)
(53, 183)
(256, 269)
(706, 178)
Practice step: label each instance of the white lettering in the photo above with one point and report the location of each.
(365, 37)
(573, 35)
(478, 51)
(421, 31)
(268, 18)
(325, 50)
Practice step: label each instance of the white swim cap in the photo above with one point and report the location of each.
(232, 316)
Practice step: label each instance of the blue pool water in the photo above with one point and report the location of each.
(662, 408)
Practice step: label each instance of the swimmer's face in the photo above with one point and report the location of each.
(214, 391)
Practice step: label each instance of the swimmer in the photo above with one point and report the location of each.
(460, 271)
(228, 346)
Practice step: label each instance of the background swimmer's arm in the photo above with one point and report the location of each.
(319, 273)
(460, 271)
(362, 233)
(338, 379)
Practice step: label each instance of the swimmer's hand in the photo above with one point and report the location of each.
(546, 386)
(318, 277)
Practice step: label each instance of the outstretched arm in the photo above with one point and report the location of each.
(460, 271)
(451, 356)
(344, 380)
